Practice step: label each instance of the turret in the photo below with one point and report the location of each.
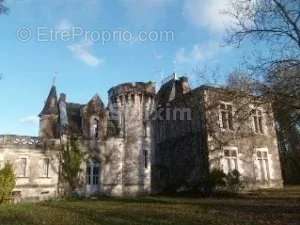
(131, 105)
(49, 117)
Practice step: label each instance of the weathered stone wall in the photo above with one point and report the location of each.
(179, 139)
(132, 105)
(242, 137)
(34, 185)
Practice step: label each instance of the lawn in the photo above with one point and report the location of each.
(264, 207)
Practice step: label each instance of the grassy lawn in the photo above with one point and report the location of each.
(264, 207)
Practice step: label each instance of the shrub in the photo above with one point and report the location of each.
(219, 181)
(215, 180)
(7, 182)
(233, 181)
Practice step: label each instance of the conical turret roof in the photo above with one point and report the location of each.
(51, 103)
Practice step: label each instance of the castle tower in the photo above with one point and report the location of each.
(49, 117)
(131, 105)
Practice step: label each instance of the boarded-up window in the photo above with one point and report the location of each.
(45, 167)
(22, 167)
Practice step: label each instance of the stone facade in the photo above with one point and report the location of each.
(226, 130)
(36, 165)
(145, 142)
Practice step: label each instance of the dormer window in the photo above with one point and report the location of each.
(95, 128)
(226, 116)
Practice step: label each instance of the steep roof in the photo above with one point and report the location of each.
(171, 90)
(50, 106)
(97, 101)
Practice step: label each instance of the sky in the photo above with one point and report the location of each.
(93, 45)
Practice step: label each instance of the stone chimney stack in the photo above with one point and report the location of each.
(184, 85)
(63, 116)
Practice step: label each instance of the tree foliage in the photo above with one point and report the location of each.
(7, 182)
(71, 160)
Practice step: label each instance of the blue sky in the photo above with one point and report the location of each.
(85, 66)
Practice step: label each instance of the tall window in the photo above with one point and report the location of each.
(46, 163)
(146, 159)
(92, 174)
(230, 160)
(95, 128)
(263, 165)
(226, 114)
(145, 128)
(22, 167)
(258, 121)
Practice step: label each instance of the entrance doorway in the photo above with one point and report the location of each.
(92, 177)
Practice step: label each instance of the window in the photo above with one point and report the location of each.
(263, 165)
(257, 121)
(226, 116)
(146, 159)
(22, 167)
(230, 160)
(95, 128)
(45, 172)
(95, 175)
(145, 129)
(92, 174)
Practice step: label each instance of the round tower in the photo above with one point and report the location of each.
(131, 105)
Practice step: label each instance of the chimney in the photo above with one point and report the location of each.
(184, 85)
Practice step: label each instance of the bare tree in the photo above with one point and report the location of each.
(276, 24)
(3, 8)
(275, 21)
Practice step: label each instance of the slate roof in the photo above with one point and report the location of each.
(50, 107)
(170, 91)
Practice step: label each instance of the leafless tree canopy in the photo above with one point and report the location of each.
(3, 8)
(277, 21)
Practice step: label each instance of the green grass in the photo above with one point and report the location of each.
(264, 207)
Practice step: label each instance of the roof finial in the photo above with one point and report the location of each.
(54, 78)
(174, 76)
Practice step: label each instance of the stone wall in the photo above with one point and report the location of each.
(243, 137)
(131, 104)
(179, 156)
(35, 184)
